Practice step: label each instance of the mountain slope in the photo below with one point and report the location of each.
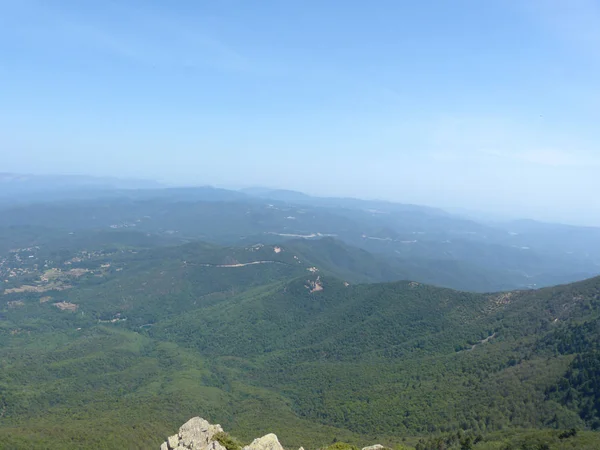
(405, 349)
(256, 338)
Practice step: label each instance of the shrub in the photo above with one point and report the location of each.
(341, 446)
(230, 443)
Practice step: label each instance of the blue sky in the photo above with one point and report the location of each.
(487, 105)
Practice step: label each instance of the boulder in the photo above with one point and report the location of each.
(173, 442)
(268, 442)
(214, 445)
(197, 433)
(374, 447)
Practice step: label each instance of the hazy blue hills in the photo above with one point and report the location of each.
(418, 243)
(376, 206)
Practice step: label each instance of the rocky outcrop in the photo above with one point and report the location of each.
(195, 434)
(198, 434)
(268, 442)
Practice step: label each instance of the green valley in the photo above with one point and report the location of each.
(130, 339)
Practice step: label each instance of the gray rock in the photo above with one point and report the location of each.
(374, 447)
(197, 433)
(268, 442)
(214, 445)
(173, 441)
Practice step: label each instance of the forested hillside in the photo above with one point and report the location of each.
(110, 335)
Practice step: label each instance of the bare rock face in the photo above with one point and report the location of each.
(374, 447)
(198, 434)
(195, 434)
(267, 442)
(214, 445)
(173, 441)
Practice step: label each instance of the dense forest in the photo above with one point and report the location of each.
(118, 337)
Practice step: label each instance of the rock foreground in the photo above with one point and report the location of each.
(195, 434)
(198, 434)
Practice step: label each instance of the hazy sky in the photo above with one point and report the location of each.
(491, 105)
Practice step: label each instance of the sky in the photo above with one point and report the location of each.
(483, 105)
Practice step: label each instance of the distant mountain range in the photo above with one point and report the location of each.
(377, 206)
(412, 242)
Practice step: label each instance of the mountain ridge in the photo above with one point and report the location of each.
(118, 324)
